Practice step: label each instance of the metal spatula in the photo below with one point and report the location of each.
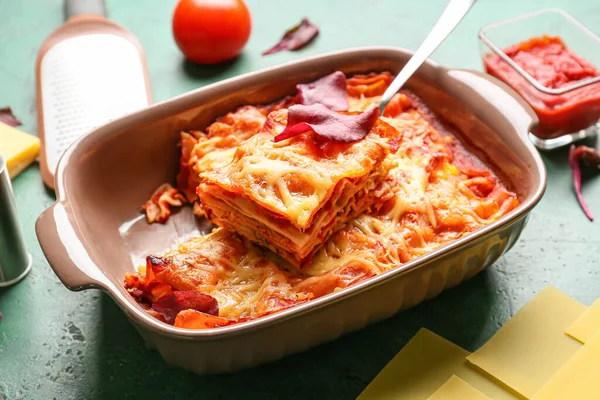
(453, 14)
(89, 71)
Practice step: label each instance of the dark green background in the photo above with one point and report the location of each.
(64, 345)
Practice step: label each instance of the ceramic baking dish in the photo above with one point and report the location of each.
(94, 233)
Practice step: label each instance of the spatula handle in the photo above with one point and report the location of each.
(453, 14)
(77, 7)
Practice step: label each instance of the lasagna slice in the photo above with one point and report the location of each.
(290, 196)
(203, 151)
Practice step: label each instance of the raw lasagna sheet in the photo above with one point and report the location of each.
(532, 345)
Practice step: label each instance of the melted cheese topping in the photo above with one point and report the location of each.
(201, 152)
(294, 178)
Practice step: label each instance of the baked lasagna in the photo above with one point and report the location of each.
(290, 196)
(432, 192)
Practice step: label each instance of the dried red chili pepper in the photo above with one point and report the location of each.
(592, 158)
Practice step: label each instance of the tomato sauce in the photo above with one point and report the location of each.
(554, 66)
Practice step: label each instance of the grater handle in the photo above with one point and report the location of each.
(78, 7)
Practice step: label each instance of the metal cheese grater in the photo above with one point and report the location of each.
(89, 71)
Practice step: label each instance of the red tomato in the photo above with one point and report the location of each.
(211, 31)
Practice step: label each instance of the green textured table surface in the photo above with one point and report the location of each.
(64, 345)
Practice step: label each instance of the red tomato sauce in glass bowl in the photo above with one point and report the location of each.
(547, 60)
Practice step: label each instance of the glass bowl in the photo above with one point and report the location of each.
(567, 113)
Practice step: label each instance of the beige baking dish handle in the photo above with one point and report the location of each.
(501, 95)
(65, 252)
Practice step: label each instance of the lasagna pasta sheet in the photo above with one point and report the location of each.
(427, 193)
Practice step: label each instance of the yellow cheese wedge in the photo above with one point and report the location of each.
(532, 346)
(422, 366)
(587, 325)
(19, 149)
(457, 389)
(578, 379)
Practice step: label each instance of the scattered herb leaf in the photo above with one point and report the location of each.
(592, 158)
(185, 300)
(327, 123)
(330, 91)
(8, 117)
(296, 37)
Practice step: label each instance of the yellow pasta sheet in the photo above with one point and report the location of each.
(422, 366)
(457, 389)
(532, 346)
(587, 325)
(578, 379)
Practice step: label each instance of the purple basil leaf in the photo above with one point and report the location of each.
(8, 118)
(296, 37)
(185, 300)
(329, 91)
(327, 123)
